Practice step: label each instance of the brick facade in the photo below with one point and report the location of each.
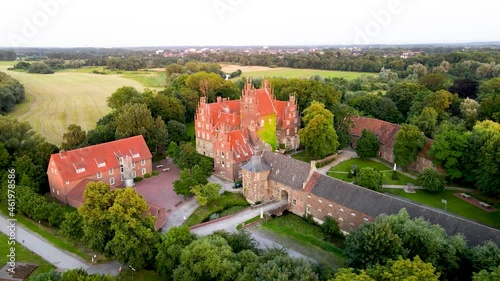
(228, 130)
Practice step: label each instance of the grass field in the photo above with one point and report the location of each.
(56, 100)
(455, 205)
(23, 255)
(148, 78)
(267, 72)
(299, 230)
(341, 171)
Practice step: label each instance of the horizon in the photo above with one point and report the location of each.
(235, 23)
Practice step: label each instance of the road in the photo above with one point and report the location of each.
(40, 246)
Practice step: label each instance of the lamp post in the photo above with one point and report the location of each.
(133, 270)
(445, 203)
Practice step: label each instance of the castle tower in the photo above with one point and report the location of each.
(249, 106)
(255, 183)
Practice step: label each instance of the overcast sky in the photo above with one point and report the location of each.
(109, 23)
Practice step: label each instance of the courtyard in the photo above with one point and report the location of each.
(159, 190)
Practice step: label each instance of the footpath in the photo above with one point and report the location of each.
(62, 260)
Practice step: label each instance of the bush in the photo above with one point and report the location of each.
(432, 180)
(40, 67)
(138, 179)
(309, 219)
(369, 178)
(147, 175)
(330, 228)
(395, 175)
(155, 173)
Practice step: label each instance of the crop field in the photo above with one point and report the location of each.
(53, 101)
(267, 72)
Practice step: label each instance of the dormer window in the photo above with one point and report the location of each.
(100, 165)
(81, 170)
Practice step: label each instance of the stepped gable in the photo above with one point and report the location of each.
(286, 170)
(374, 204)
(385, 131)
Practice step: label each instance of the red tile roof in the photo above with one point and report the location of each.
(385, 131)
(265, 102)
(77, 192)
(239, 145)
(98, 158)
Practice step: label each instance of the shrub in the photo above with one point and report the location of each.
(395, 175)
(432, 180)
(155, 173)
(147, 175)
(330, 228)
(137, 179)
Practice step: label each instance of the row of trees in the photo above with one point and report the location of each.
(11, 93)
(418, 247)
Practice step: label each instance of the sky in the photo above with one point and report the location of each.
(110, 23)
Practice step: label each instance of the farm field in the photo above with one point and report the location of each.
(56, 100)
(262, 71)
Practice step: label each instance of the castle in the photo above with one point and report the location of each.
(230, 130)
(272, 176)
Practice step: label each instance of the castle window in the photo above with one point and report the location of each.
(67, 182)
(319, 210)
(330, 214)
(222, 154)
(341, 209)
(365, 219)
(133, 164)
(341, 219)
(227, 165)
(81, 170)
(287, 132)
(277, 171)
(111, 171)
(353, 214)
(112, 181)
(294, 202)
(143, 171)
(320, 201)
(308, 209)
(57, 192)
(288, 122)
(295, 130)
(143, 162)
(99, 175)
(308, 195)
(351, 223)
(222, 163)
(246, 107)
(134, 174)
(330, 205)
(122, 178)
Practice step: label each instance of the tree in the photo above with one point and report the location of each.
(4, 157)
(97, 232)
(177, 132)
(347, 274)
(75, 137)
(405, 269)
(485, 256)
(188, 156)
(369, 178)
(183, 185)
(440, 100)
(489, 98)
(167, 107)
(418, 69)
(409, 141)
(205, 83)
(432, 180)
(285, 268)
(434, 81)
(426, 121)
(372, 244)
(205, 194)
(465, 88)
(485, 275)
(101, 134)
(208, 258)
(170, 249)
(123, 96)
(403, 95)
(331, 228)
(470, 111)
(71, 227)
(134, 240)
(40, 67)
(368, 145)
(319, 136)
(449, 150)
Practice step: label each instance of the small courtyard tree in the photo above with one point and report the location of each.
(367, 145)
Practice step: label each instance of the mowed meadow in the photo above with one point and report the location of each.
(268, 72)
(53, 101)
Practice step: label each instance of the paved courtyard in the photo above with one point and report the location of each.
(159, 190)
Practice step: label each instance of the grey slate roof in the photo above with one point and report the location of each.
(286, 170)
(374, 203)
(255, 165)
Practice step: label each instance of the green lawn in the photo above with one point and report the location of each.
(224, 202)
(296, 228)
(302, 73)
(54, 101)
(22, 255)
(50, 234)
(304, 156)
(341, 171)
(455, 205)
(190, 131)
(148, 78)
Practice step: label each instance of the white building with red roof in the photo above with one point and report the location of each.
(227, 130)
(70, 171)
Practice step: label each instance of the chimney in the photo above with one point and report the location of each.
(62, 154)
